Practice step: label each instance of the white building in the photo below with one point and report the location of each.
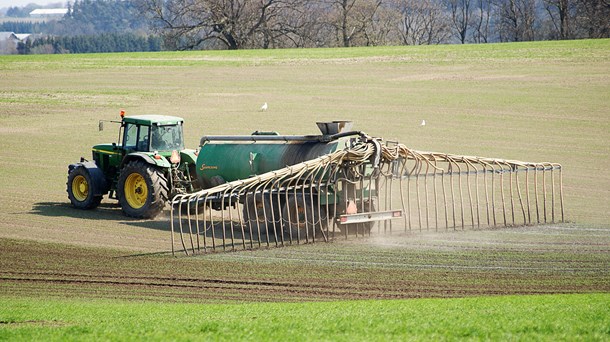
(23, 37)
(48, 13)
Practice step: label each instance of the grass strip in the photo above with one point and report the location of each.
(544, 317)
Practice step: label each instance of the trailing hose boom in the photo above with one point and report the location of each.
(266, 190)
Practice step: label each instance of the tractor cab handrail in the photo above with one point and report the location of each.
(283, 138)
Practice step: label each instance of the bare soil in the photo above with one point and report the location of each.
(532, 260)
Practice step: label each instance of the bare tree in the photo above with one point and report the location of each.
(351, 18)
(561, 13)
(423, 22)
(376, 21)
(302, 24)
(461, 16)
(481, 21)
(593, 18)
(235, 24)
(344, 9)
(516, 19)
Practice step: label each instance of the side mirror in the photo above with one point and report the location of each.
(101, 126)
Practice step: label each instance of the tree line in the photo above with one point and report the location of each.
(23, 27)
(239, 24)
(105, 42)
(21, 12)
(150, 25)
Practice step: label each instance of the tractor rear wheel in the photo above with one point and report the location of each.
(142, 190)
(81, 189)
(258, 212)
(303, 220)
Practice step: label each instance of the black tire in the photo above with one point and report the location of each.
(257, 212)
(81, 189)
(142, 190)
(302, 221)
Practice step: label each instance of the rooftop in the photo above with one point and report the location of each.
(49, 11)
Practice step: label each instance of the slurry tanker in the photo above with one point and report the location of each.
(265, 188)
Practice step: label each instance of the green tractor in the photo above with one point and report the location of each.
(147, 167)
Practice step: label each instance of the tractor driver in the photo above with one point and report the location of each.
(159, 139)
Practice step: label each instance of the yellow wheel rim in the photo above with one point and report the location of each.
(136, 191)
(80, 188)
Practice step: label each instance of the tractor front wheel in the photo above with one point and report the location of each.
(142, 190)
(80, 188)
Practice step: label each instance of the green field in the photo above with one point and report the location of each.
(542, 101)
(545, 318)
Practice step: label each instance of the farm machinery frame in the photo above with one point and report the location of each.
(143, 170)
(266, 189)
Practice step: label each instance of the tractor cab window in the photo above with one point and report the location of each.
(136, 137)
(167, 138)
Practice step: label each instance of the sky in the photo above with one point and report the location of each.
(21, 3)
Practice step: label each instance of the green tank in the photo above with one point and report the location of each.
(227, 158)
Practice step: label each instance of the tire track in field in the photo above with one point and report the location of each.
(194, 288)
(143, 280)
(448, 266)
(327, 290)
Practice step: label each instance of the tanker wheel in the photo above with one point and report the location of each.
(142, 190)
(301, 221)
(258, 212)
(80, 188)
(360, 228)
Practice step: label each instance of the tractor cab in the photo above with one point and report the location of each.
(150, 133)
(140, 136)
